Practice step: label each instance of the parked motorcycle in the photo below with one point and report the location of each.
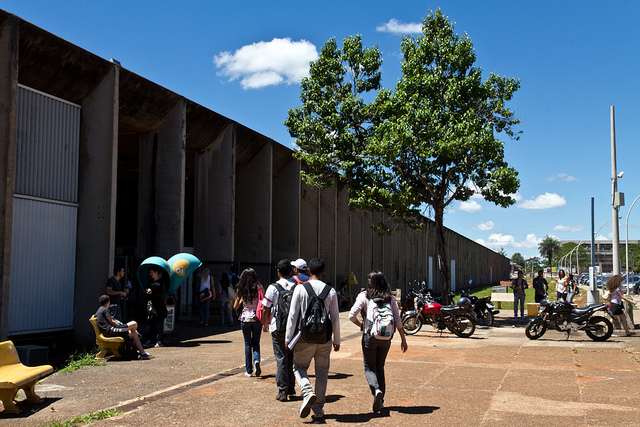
(564, 318)
(456, 318)
(483, 309)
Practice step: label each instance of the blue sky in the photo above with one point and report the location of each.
(243, 59)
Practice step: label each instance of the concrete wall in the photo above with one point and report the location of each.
(285, 215)
(9, 38)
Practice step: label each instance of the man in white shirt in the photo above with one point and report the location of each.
(285, 380)
(303, 351)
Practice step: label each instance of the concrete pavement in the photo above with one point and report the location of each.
(496, 377)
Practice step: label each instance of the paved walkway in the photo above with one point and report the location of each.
(497, 377)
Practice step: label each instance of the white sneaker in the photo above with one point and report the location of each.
(247, 374)
(377, 401)
(307, 402)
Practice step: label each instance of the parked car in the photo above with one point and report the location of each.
(633, 283)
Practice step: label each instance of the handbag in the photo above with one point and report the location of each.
(204, 294)
(260, 306)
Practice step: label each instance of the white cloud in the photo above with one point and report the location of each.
(396, 27)
(569, 228)
(544, 201)
(564, 177)
(470, 206)
(267, 63)
(499, 240)
(484, 226)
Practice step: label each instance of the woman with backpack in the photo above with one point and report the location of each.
(249, 293)
(380, 317)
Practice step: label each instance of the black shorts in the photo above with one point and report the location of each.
(615, 309)
(118, 331)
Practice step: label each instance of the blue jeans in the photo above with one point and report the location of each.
(251, 332)
(516, 300)
(204, 311)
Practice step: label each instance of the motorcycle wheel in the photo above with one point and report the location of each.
(488, 318)
(535, 329)
(462, 325)
(599, 328)
(411, 324)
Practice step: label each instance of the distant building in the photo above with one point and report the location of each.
(603, 254)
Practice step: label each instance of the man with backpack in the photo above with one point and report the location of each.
(313, 319)
(277, 301)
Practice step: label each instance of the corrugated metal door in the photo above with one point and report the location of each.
(43, 250)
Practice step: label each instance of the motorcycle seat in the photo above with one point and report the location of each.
(590, 307)
(450, 308)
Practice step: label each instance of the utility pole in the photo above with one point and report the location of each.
(615, 198)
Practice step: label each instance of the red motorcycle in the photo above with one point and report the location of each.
(456, 318)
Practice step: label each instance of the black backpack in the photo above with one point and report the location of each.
(282, 307)
(316, 326)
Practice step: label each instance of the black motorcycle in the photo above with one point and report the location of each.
(483, 309)
(564, 318)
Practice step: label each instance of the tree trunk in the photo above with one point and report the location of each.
(443, 261)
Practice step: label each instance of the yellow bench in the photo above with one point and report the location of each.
(501, 297)
(113, 344)
(15, 376)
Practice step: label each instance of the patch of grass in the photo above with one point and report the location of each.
(79, 359)
(576, 350)
(84, 419)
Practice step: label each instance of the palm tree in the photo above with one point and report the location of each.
(548, 246)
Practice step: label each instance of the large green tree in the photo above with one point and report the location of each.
(547, 247)
(517, 258)
(417, 149)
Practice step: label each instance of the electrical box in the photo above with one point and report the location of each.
(618, 199)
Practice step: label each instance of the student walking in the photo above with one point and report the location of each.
(277, 303)
(378, 307)
(313, 300)
(249, 294)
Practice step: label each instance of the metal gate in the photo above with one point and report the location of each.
(45, 205)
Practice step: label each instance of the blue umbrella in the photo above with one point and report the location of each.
(182, 265)
(147, 264)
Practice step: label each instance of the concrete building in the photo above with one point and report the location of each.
(103, 166)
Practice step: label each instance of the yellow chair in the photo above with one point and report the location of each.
(15, 376)
(113, 344)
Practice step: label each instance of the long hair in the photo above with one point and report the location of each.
(378, 287)
(613, 282)
(247, 287)
(561, 271)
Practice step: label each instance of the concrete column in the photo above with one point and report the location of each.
(286, 213)
(388, 259)
(377, 248)
(342, 239)
(253, 213)
(367, 245)
(355, 246)
(9, 38)
(161, 194)
(97, 180)
(309, 222)
(215, 200)
(327, 232)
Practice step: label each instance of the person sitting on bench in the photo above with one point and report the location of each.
(111, 327)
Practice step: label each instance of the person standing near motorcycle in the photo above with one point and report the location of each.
(374, 350)
(561, 286)
(616, 297)
(572, 288)
(519, 285)
(540, 286)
